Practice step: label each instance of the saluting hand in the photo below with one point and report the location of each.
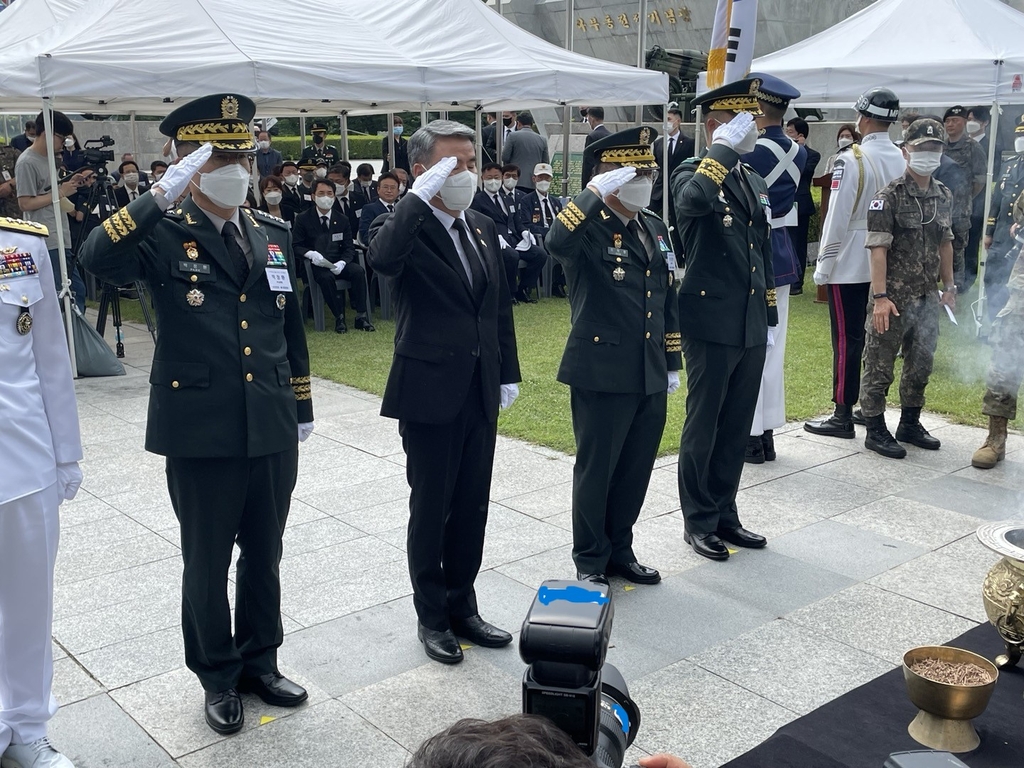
(429, 183)
(605, 183)
(880, 318)
(739, 134)
(175, 180)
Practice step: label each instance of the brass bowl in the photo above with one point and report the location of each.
(944, 722)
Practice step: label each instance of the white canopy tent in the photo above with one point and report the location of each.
(932, 53)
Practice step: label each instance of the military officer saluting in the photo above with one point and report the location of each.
(999, 243)
(230, 395)
(622, 358)
(726, 312)
(320, 148)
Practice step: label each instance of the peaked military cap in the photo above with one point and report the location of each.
(737, 96)
(923, 130)
(956, 111)
(774, 91)
(221, 119)
(630, 147)
(1019, 129)
(308, 163)
(318, 125)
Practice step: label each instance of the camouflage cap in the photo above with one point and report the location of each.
(924, 130)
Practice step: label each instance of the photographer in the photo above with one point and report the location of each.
(512, 742)
(32, 176)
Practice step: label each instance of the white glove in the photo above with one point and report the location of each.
(610, 181)
(318, 259)
(502, 241)
(509, 393)
(311, 255)
(528, 236)
(429, 183)
(305, 430)
(739, 134)
(820, 278)
(771, 338)
(69, 479)
(673, 382)
(338, 267)
(176, 178)
(524, 244)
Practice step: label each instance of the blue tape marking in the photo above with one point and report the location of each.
(623, 717)
(547, 595)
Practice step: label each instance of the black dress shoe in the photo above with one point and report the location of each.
(597, 578)
(524, 298)
(339, 325)
(741, 537)
(440, 645)
(479, 632)
(707, 545)
(839, 424)
(224, 711)
(559, 293)
(275, 689)
(754, 454)
(364, 324)
(768, 444)
(638, 574)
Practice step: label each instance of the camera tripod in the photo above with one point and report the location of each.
(101, 199)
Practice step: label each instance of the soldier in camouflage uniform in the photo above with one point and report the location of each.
(1006, 369)
(969, 155)
(8, 191)
(910, 237)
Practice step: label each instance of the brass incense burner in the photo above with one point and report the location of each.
(1003, 591)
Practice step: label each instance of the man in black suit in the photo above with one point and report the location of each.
(798, 130)
(365, 184)
(323, 235)
(595, 117)
(401, 148)
(131, 185)
(455, 363)
(387, 188)
(680, 147)
(347, 198)
(727, 313)
(537, 212)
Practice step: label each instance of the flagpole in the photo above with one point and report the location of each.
(640, 53)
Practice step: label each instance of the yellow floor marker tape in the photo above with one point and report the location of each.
(465, 646)
(267, 719)
(628, 588)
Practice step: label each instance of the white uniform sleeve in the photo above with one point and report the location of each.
(53, 365)
(845, 178)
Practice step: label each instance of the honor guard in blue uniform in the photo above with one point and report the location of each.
(780, 162)
(230, 392)
(726, 314)
(622, 357)
(999, 244)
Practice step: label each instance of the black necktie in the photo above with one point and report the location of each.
(634, 227)
(325, 224)
(476, 269)
(235, 252)
(343, 202)
(391, 208)
(548, 215)
(671, 146)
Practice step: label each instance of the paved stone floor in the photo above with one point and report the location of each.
(868, 557)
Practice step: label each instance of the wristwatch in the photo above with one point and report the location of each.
(882, 295)
(950, 288)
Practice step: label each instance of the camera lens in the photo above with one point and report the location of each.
(620, 720)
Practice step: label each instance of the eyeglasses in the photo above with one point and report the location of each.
(647, 173)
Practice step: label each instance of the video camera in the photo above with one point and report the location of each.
(564, 641)
(97, 158)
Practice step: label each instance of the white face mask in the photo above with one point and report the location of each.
(401, 189)
(925, 163)
(492, 185)
(131, 179)
(320, 173)
(543, 186)
(273, 198)
(510, 183)
(264, 145)
(636, 194)
(157, 175)
(69, 143)
(1018, 145)
(340, 189)
(458, 190)
(324, 202)
(844, 142)
(226, 186)
(291, 179)
(973, 126)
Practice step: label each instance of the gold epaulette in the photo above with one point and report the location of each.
(301, 386)
(713, 169)
(119, 225)
(269, 217)
(673, 342)
(572, 216)
(20, 225)
(770, 296)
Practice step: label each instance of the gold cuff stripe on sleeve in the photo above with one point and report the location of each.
(303, 396)
(770, 296)
(676, 347)
(111, 232)
(299, 380)
(713, 169)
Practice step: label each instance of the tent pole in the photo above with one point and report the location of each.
(986, 325)
(479, 116)
(423, 114)
(570, 30)
(343, 120)
(698, 133)
(664, 166)
(302, 131)
(566, 123)
(135, 136)
(640, 58)
(391, 140)
(65, 280)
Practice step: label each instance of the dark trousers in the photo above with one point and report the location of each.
(335, 298)
(220, 502)
(510, 260)
(798, 236)
(534, 259)
(449, 471)
(972, 250)
(722, 384)
(617, 439)
(848, 311)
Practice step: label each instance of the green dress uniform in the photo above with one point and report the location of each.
(229, 385)
(726, 306)
(623, 342)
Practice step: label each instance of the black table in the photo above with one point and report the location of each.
(863, 727)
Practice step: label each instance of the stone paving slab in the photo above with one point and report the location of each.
(867, 558)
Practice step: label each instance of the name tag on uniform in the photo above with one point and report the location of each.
(308, 198)
(337, 237)
(7, 175)
(194, 267)
(279, 280)
(359, 213)
(618, 252)
(671, 259)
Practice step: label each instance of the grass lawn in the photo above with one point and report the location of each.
(541, 414)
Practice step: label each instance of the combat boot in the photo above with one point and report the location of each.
(912, 431)
(880, 439)
(839, 424)
(768, 444)
(994, 449)
(755, 451)
(858, 418)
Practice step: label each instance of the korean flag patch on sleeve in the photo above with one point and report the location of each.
(837, 176)
(876, 205)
